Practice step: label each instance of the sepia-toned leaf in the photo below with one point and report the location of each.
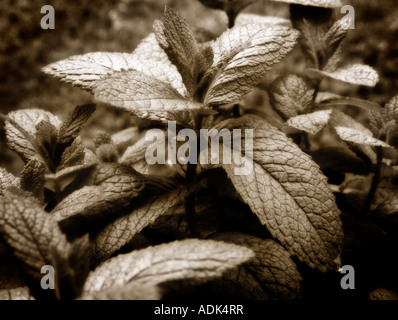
(242, 56)
(7, 180)
(142, 96)
(290, 96)
(75, 121)
(32, 179)
(199, 260)
(312, 122)
(358, 74)
(270, 275)
(178, 41)
(114, 187)
(290, 195)
(119, 232)
(359, 137)
(21, 130)
(251, 18)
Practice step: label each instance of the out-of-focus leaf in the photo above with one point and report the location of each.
(242, 56)
(12, 285)
(311, 123)
(383, 294)
(119, 232)
(290, 195)
(359, 137)
(143, 96)
(315, 3)
(75, 121)
(251, 18)
(21, 130)
(358, 74)
(194, 260)
(391, 110)
(7, 180)
(289, 96)
(270, 275)
(115, 186)
(32, 179)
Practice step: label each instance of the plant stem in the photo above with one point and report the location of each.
(190, 202)
(231, 18)
(375, 181)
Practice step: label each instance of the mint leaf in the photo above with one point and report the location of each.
(119, 232)
(290, 195)
(73, 155)
(200, 260)
(358, 74)
(178, 41)
(32, 234)
(84, 70)
(73, 124)
(143, 96)
(391, 110)
(242, 56)
(21, 132)
(115, 185)
(290, 96)
(270, 275)
(7, 180)
(149, 58)
(312, 122)
(228, 5)
(359, 137)
(32, 179)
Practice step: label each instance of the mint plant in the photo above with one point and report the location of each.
(114, 226)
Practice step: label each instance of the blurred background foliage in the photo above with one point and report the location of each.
(119, 25)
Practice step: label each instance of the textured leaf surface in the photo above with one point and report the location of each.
(178, 41)
(290, 195)
(187, 259)
(73, 155)
(271, 274)
(311, 123)
(315, 3)
(7, 180)
(119, 232)
(142, 96)
(115, 186)
(358, 74)
(84, 70)
(75, 121)
(359, 137)
(391, 110)
(289, 96)
(32, 234)
(150, 59)
(32, 178)
(242, 56)
(21, 132)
